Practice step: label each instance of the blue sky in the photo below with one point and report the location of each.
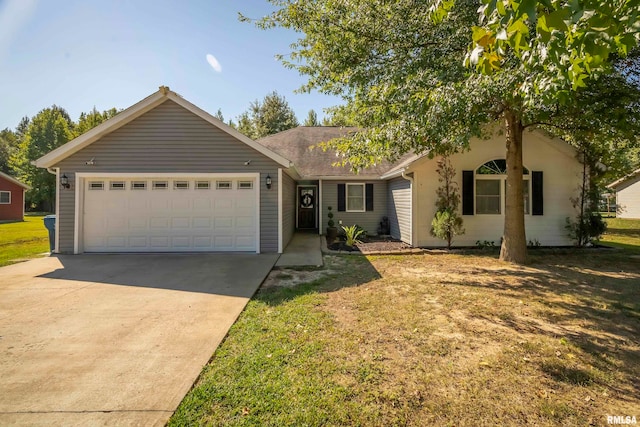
(84, 53)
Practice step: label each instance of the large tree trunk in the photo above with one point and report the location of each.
(514, 243)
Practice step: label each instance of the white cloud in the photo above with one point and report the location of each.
(214, 63)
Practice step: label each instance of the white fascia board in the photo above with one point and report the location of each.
(114, 123)
(616, 183)
(393, 174)
(357, 178)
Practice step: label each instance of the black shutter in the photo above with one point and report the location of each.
(342, 202)
(537, 199)
(467, 192)
(368, 197)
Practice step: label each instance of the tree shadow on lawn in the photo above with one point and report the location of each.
(591, 298)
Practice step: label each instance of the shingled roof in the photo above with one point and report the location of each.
(300, 145)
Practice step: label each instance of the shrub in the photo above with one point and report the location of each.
(352, 233)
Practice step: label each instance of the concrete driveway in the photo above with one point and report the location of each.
(114, 339)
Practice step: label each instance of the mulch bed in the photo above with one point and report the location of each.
(371, 245)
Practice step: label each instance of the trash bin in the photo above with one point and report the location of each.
(50, 224)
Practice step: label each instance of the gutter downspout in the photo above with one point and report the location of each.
(56, 172)
(410, 179)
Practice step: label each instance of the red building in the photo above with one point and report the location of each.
(11, 198)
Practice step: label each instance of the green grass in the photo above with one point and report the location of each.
(23, 240)
(623, 234)
(417, 340)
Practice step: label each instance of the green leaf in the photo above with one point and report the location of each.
(556, 20)
(528, 7)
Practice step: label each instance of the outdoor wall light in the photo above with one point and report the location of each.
(64, 181)
(268, 182)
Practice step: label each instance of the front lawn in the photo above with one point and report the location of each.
(23, 240)
(622, 233)
(462, 340)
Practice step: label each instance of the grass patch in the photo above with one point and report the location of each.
(623, 234)
(23, 240)
(417, 340)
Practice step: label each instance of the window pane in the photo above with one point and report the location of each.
(181, 185)
(355, 197)
(488, 196)
(5, 197)
(488, 187)
(139, 185)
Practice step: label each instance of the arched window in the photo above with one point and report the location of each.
(491, 182)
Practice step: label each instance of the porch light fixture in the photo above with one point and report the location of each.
(64, 181)
(268, 182)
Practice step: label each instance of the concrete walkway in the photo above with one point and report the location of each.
(304, 250)
(114, 339)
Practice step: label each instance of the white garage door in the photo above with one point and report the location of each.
(170, 215)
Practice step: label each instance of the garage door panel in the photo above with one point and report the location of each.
(116, 242)
(138, 242)
(202, 242)
(181, 222)
(138, 223)
(201, 204)
(159, 242)
(202, 222)
(171, 219)
(155, 203)
(158, 222)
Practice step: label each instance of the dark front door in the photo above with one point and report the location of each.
(307, 207)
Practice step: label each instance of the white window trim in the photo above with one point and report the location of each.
(503, 192)
(197, 185)
(134, 183)
(154, 182)
(176, 185)
(111, 185)
(91, 188)
(364, 197)
(218, 187)
(9, 193)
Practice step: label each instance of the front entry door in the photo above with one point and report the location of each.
(307, 207)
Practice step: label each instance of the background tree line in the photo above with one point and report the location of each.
(52, 127)
(36, 136)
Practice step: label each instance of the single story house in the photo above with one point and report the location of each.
(166, 176)
(627, 195)
(11, 198)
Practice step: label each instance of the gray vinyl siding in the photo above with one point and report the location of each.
(288, 209)
(171, 139)
(370, 221)
(400, 209)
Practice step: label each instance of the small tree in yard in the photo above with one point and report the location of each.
(588, 225)
(447, 223)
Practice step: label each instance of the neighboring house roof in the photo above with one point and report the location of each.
(300, 145)
(14, 180)
(137, 110)
(622, 181)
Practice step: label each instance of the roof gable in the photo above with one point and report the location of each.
(625, 181)
(137, 110)
(14, 181)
